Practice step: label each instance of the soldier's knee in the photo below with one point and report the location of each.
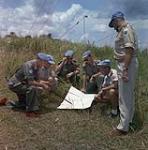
(112, 92)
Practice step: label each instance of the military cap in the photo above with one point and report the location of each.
(116, 15)
(86, 54)
(105, 62)
(46, 57)
(69, 53)
(50, 59)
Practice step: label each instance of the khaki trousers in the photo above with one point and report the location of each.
(126, 95)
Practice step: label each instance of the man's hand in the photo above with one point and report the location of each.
(64, 60)
(101, 92)
(93, 77)
(69, 75)
(83, 90)
(125, 75)
(44, 84)
(45, 87)
(77, 72)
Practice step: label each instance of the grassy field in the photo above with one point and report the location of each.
(64, 129)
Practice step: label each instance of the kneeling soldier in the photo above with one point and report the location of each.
(27, 84)
(109, 88)
(90, 68)
(68, 68)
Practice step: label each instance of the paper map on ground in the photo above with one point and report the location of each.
(75, 99)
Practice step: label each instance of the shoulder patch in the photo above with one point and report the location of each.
(30, 71)
(125, 31)
(126, 35)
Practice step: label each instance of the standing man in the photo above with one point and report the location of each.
(127, 64)
(27, 83)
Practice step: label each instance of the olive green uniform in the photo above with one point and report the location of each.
(68, 68)
(90, 69)
(19, 83)
(45, 73)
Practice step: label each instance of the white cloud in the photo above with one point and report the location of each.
(138, 23)
(100, 27)
(67, 27)
(65, 17)
(68, 24)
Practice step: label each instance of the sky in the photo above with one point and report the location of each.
(74, 20)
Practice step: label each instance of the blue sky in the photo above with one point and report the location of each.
(65, 19)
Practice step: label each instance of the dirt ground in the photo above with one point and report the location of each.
(65, 130)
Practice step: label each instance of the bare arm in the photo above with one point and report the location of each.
(38, 84)
(128, 57)
(114, 85)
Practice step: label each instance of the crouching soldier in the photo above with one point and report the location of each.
(90, 68)
(109, 89)
(27, 83)
(68, 69)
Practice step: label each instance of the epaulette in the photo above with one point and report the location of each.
(125, 30)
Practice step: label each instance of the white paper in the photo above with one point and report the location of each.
(75, 99)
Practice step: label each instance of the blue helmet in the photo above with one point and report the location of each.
(46, 57)
(69, 53)
(86, 54)
(116, 15)
(105, 62)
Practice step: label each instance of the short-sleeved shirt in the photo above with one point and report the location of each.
(110, 78)
(89, 69)
(67, 68)
(125, 38)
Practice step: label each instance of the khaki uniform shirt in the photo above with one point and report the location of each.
(110, 78)
(125, 38)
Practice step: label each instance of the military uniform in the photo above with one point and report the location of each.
(19, 83)
(110, 78)
(68, 68)
(126, 39)
(90, 69)
(45, 74)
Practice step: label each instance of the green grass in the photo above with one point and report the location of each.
(64, 129)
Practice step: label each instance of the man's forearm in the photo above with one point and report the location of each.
(108, 87)
(84, 79)
(114, 85)
(59, 67)
(128, 57)
(35, 83)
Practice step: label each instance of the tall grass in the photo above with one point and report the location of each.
(13, 52)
